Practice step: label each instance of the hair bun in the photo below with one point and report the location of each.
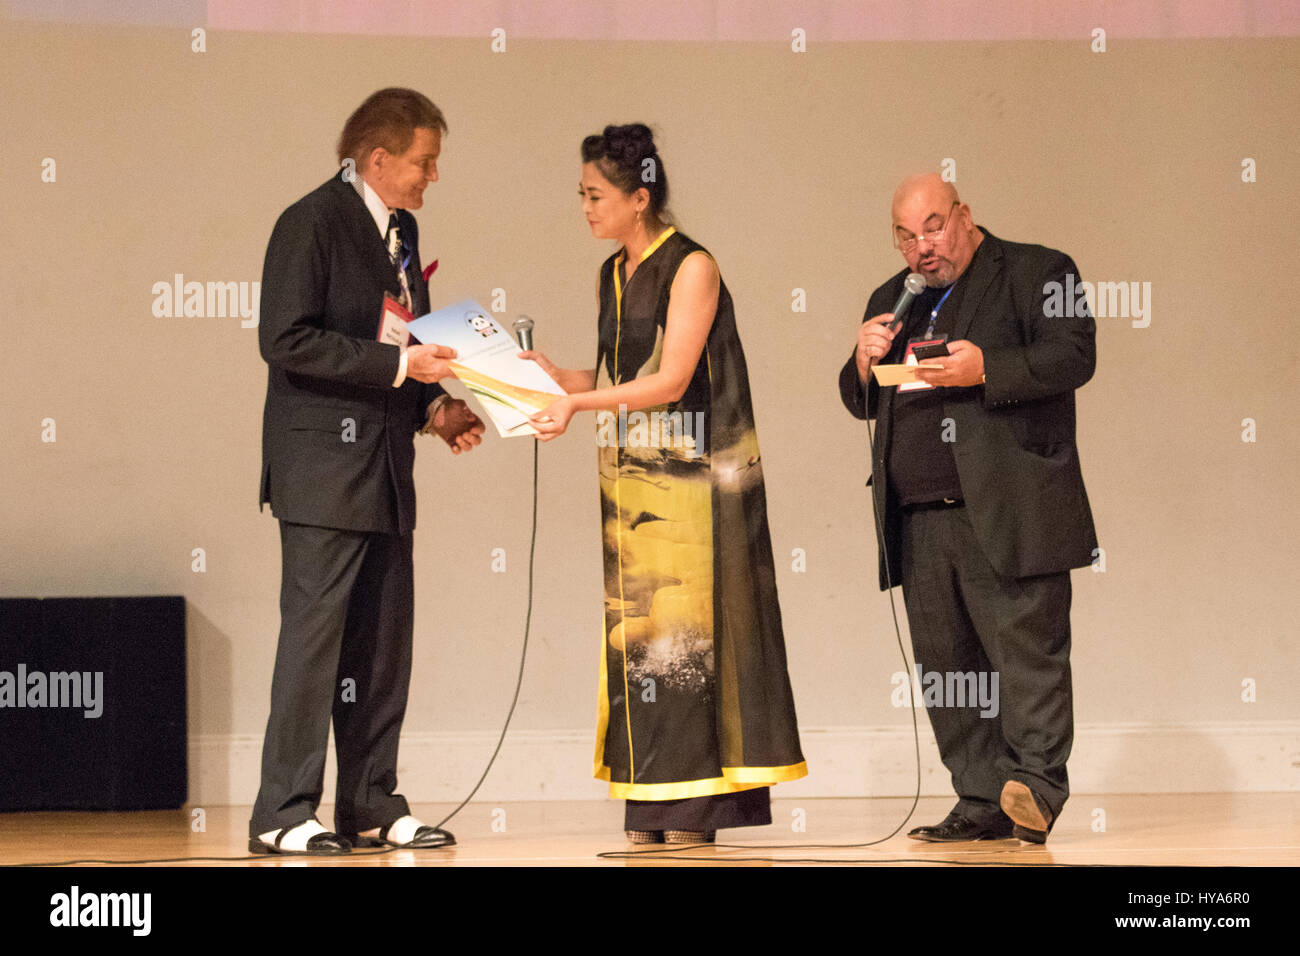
(628, 158)
(632, 142)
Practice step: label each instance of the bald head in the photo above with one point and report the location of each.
(933, 229)
(924, 190)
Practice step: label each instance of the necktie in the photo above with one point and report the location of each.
(400, 256)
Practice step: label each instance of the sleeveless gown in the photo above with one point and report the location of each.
(696, 715)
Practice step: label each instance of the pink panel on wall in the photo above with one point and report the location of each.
(765, 20)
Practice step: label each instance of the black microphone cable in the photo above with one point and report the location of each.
(523, 654)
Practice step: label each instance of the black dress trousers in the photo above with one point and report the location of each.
(965, 617)
(346, 620)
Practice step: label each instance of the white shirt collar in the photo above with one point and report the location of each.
(378, 211)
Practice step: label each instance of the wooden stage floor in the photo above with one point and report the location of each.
(1253, 829)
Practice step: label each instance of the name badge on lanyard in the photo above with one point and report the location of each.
(925, 343)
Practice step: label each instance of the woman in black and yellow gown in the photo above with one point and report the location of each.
(696, 715)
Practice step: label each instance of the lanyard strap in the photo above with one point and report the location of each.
(934, 313)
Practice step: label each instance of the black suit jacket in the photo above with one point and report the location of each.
(1015, 435)
(323, 284)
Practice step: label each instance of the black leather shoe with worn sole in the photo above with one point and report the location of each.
(1029, 812)
(955, 828)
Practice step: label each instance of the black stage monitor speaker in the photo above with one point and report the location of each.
(92, 703)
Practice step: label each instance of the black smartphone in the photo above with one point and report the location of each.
(932, 350)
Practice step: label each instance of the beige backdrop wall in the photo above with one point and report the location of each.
(170, 161)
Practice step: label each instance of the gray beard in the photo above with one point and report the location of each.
(941, 279)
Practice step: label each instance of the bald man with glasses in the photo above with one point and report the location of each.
(979, 500)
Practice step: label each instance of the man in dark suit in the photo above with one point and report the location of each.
(342, 410)
(980, 502)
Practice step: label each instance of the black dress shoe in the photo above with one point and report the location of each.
(955, 828)
(1029, 812)
(322, 844)
(426, 838)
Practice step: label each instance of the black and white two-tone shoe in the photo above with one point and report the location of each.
(406, 833)
(308, 838)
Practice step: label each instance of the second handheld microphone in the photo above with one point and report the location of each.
(524, 332)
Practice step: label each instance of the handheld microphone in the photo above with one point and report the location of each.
(524, 332)
(913, 286)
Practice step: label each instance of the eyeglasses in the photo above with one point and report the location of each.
(934, 236)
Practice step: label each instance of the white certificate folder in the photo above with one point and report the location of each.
(508, 389)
